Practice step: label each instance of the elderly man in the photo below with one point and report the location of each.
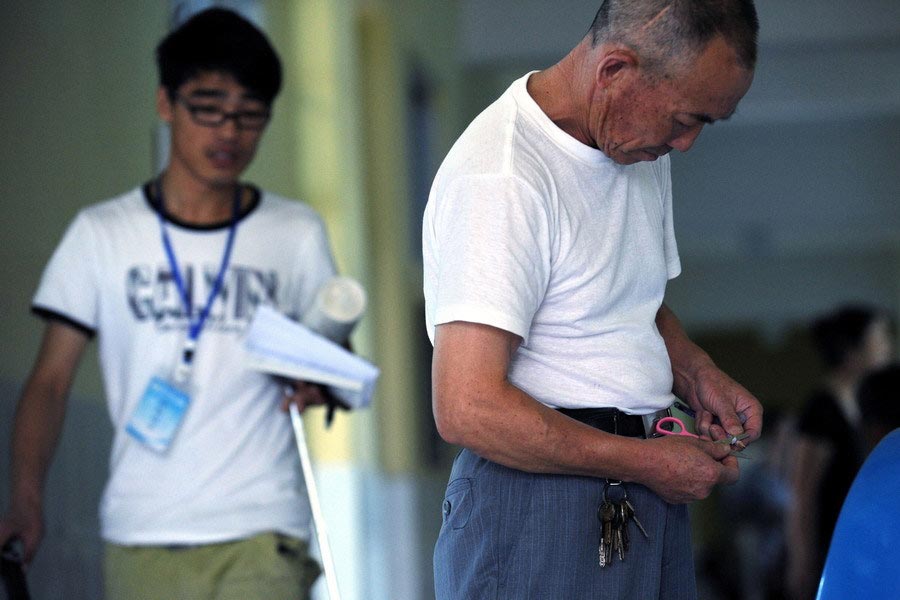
(548, 242)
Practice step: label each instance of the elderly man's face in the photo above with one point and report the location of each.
(647, 117)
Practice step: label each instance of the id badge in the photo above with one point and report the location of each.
(159, 414)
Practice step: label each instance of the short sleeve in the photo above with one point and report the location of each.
(493, 252)
(68, 287)
(673, 261)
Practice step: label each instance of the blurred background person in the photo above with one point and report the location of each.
(851, 341)
(879, 405)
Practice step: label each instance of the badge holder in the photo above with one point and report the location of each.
(163, 405)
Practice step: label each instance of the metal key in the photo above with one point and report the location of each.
(629, 515)
(619, 528)
(606, 513)
(623, 518)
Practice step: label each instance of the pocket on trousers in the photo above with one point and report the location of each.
(457, 505)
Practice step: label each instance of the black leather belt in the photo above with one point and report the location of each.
(613, 420)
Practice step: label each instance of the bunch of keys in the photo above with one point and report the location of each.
(614, 517)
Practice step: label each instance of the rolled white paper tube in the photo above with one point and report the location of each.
(337, 308)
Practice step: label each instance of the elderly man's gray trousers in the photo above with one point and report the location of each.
(511, 535)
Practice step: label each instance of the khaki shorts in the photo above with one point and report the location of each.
(268, 566)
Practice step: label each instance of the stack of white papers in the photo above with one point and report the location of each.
(278, 345)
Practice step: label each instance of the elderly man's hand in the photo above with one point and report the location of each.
(682, 469)
(724, 407)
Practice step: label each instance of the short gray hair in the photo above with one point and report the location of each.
(669, 33)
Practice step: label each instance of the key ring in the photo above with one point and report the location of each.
(616, 484)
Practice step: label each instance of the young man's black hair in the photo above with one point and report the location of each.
(219, 40)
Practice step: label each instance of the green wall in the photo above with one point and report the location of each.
(77, 102)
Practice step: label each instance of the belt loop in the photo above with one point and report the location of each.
(616, 423)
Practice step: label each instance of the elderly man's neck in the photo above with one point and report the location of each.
(564, 92)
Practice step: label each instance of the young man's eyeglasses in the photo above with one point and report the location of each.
(210, 115)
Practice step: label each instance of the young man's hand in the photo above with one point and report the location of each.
(305, 394)
(25, 523)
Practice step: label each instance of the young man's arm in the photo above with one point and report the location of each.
(709, 391)
(38, 423)
(476, 406)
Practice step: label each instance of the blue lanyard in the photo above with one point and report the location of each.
(196, 326)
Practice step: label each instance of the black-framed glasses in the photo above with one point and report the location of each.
(210, 115)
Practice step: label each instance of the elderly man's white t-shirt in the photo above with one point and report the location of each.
(529, 230)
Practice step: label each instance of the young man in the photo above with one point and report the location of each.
(548, 242)
(167, 277)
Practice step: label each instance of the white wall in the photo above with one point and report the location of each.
(780, 222)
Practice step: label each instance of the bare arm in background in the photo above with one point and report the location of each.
(38, 423)
(811, 457)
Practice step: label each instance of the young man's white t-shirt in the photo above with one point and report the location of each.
(232, 469)
(529, 230)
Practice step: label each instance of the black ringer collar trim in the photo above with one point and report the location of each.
(154, 206)
(51, 315)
